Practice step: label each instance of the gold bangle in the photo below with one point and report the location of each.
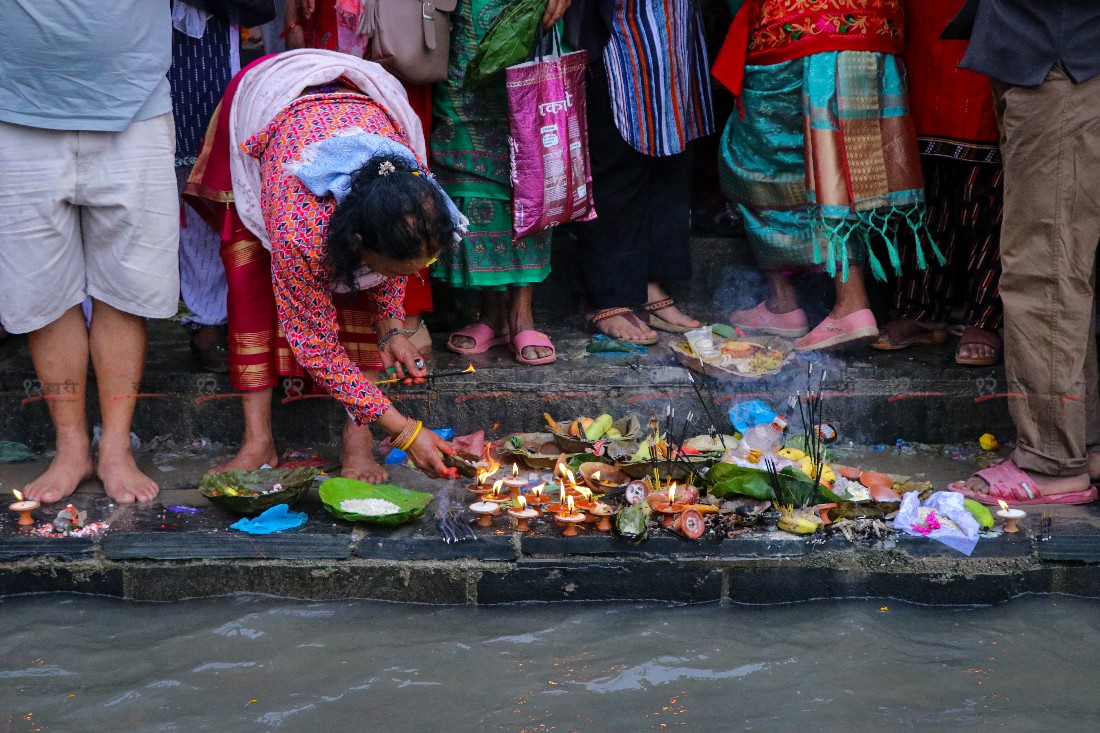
(404, 433)
(419, 427)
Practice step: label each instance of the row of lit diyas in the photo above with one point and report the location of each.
(575, 504)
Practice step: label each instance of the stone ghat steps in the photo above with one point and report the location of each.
(918, 395)
(150, 553)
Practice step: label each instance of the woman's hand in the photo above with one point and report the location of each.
(427, 452)
(555, 9)
(403, 361)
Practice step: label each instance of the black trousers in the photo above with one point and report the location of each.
(643, 209)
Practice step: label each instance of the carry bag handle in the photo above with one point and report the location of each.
(544, 39)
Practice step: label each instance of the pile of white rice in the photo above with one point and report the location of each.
(369, 507)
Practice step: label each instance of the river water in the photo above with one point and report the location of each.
(248, 663)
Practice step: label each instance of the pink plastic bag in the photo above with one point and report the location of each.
(548, 142)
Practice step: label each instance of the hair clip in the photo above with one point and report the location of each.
(386, 168)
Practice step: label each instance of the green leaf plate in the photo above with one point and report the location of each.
(247, 488)
(336, 490)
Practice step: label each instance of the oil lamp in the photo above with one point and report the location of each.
(1011, 516)
(23, 507)
(523, 514)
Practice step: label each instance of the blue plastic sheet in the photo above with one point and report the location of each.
(275, 519)
(396, 456)
(744, 416)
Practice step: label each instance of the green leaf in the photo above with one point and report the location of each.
(336, 490)
(508, 41)
(726, 479)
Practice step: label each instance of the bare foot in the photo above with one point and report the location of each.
(361, 468)
(122, 480)
(251, 456)
(1047, 485)
(65, 473)
(626, 329)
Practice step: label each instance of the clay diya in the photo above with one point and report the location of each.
(515, 482)
(523, 515)
(1011, 516)
(497, 495)
(482, 486)
(569, 518)
(23, 507)
(603, 513)
(670, 510)
(875, 480)
(690, 524)
(486, 510)
(602, 477)
(823, 512)
(852, 474)
(537, 498)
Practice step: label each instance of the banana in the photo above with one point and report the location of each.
(792, 454)
(797, 525)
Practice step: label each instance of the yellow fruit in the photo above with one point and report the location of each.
(791, 454)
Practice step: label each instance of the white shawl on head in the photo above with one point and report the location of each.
(265, 90)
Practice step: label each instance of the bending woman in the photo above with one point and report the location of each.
(326, 166)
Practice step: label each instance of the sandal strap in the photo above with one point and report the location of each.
(609, 313)
(658, 305)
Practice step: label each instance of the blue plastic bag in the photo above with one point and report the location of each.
(396, 456)
(275, 519)
(744, 416)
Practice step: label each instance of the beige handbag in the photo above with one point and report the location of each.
(410, 38)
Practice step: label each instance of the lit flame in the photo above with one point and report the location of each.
(469, 370)
(482, 477)
(570, 506)
(492, 463)
(521, 502)
(560, 469)
(572, 479)
(18, 494)
(515, 469)
(672, 494)
(1003, 503)
(496, 487)
(596, 476)
(585, 492)
(561, 485)
(537, 491)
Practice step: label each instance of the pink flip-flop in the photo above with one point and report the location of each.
(483, 336)
(1009, 484)
(836, 331)
(523, 339)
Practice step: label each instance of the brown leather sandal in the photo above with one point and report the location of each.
(628, 314)
(655, 321)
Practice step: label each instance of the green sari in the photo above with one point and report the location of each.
(469, 150)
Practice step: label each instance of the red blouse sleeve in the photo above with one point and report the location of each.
(308, 318)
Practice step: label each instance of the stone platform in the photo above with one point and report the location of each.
(153, 553)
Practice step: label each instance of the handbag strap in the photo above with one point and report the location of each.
(544, 40)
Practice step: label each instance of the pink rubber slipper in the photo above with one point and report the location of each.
(762, 320)
(836, 331)
(1010, 484)
(523, 339)
(483, 337)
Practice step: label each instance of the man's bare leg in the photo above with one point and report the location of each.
(118, 356)
(60, 355)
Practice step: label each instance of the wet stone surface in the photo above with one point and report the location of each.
(155, 532)
(22, 542)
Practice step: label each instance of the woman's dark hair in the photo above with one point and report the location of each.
(393, 211)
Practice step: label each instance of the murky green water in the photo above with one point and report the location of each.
(260, 664)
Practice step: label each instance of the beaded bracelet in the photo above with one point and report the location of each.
(416, 433)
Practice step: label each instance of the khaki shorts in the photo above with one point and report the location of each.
(93, 213)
